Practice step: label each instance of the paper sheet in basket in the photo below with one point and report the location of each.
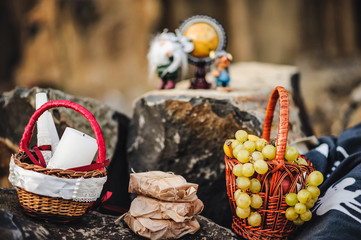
(161, 229)
(155, 209)
(163, 186)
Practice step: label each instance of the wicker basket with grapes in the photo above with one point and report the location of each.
(271, 187)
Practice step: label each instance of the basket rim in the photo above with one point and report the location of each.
(20, 156)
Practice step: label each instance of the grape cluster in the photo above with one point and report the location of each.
(252, 153)
(301, 202)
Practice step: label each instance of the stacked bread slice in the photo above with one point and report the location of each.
(166, 205)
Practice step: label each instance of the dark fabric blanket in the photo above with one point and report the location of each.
(337, 213)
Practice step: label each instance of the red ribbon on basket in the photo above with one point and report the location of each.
(42, 163)
(91, 166)
(40, 155)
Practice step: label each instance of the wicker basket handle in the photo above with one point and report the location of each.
(28, 132)
(279, 93)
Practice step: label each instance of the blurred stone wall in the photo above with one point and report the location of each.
(277, 31)
(97, 48)
(85, 47)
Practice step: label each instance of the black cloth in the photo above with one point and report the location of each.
(337, 213)
(118, 176)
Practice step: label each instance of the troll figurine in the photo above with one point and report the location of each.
(222, 60)
(167, 55)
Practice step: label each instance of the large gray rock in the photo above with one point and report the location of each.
(15, 225)
(183, 131)
(332, 93)
(261, 78)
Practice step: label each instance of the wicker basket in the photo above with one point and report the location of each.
(274, 223)
(55, 208)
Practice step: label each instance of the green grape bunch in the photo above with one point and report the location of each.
(301, 202)
(253, 153)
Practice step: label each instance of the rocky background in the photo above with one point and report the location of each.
(98, 48)
(93, 52)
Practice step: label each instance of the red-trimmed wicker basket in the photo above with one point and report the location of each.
(274, 223)
(54, 208)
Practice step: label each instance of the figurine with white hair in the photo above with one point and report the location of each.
(222, 60)
(167, 56)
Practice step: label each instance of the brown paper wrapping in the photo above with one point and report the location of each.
(163, 186)
(160, 229)
(177, 211)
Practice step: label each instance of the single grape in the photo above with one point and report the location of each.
(248, 169)
(249, 146)
(243, 156)
(252, 137)
(315, 191)
(291, 214)
(254, 219)
(243, 183)
(315, 178)
(255, 186)
(300, 208)
(301, 161)
(236, 194)
(260, 166)
(256, 155)
(298, 221)
(243, 200)
(256, 201)
(304, 196)
(291, 153)
(260, 144)
(269, 152)
(243, 212)
(241, 136)
(306, 216)
(291, 199)
(235, 143)
(311, 203)
(237, 170)
(238, 146)
(237, 149)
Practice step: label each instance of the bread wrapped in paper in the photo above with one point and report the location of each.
(177, 211)
(163, 186)
(160, 229)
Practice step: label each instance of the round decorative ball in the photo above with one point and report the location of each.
(204, 38)
(206, 34)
